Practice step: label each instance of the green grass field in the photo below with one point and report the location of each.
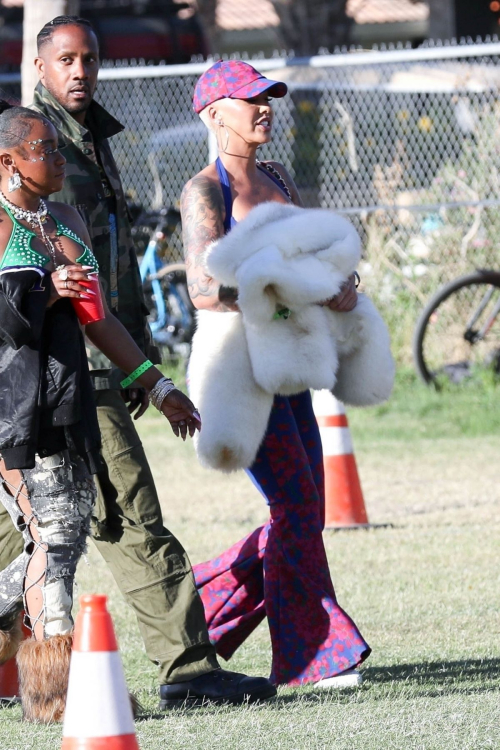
(424, 590)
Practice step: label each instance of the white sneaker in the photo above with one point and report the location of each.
(349, 679)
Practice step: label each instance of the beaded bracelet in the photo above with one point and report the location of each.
(136, 374)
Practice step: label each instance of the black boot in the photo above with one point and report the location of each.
(219, 686)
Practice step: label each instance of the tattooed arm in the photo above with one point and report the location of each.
(202, 211)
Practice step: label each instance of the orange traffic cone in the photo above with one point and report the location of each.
(98, 712)
(344, 504)
(9, 682)
(9, 677)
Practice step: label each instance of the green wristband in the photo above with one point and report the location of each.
(137, 373)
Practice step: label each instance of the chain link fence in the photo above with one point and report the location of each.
(406, 143)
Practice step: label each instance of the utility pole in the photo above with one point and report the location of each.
(442, 20)
(309, 25)
(207, 10)
(36, 15)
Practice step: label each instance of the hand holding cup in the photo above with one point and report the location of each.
(81, 285)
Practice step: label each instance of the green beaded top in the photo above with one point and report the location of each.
(20, 253)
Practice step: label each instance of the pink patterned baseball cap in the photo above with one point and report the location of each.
(233, 79)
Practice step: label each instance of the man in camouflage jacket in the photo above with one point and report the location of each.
(94, 188)
(147, 561)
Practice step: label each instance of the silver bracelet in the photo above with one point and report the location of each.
(160, 391)
(161, 395)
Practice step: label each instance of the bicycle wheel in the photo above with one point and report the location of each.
(458, 333)
(175, 334)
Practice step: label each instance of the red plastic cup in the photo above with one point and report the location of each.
(89, 310)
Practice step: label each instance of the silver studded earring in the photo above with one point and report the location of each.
(14, 183)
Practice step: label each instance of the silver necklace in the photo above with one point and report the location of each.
(34, 218)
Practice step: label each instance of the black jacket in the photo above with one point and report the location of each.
(44, 378)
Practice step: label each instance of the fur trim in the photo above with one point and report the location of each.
(294, 231)
(43, 677)
(11, 635)
(289, 356)
(281, 256)
(223, 388)
(366, 371)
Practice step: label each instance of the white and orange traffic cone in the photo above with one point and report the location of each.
(98, 712)
(344, 504)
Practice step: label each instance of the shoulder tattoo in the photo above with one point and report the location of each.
(202, 211)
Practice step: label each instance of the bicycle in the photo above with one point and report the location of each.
(458, 333)
(157, 237)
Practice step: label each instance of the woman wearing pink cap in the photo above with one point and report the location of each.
(313, 639)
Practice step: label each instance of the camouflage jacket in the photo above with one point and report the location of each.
(99, 199)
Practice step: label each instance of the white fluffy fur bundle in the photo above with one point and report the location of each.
(281, 256)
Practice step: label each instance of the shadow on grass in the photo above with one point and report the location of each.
(437, 677)
(429, 679)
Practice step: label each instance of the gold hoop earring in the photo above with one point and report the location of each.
(221, 125)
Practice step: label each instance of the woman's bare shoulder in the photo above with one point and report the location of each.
(206, 178)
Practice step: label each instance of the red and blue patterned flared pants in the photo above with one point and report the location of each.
(281, 570)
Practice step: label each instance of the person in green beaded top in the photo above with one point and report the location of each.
(49, 434)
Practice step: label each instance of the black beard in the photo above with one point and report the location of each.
(73, 108)
(77, 107)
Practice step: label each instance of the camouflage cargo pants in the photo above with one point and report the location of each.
(50, 505)
(148, 563)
